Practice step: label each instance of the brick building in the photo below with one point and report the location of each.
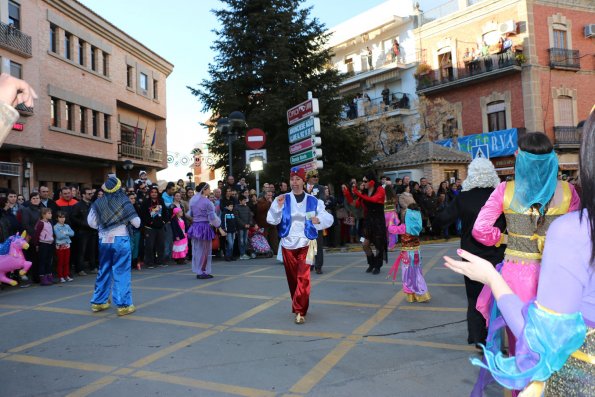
(101, 97)
(524, 64)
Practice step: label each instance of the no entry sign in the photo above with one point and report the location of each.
(255, 138)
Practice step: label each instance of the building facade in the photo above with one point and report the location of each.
(101, 97)
(377, 53)
(512, 64)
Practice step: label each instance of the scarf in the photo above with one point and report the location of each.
(113, 209)
(535, 180)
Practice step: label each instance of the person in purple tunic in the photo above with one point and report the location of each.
(201, 232)
(555, 348)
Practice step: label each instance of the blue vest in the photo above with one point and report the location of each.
(309, 229)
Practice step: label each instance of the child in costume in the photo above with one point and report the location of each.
(178, 227)
(414, 284)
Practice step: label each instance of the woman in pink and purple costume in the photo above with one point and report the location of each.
(201, 233)
(555, 348)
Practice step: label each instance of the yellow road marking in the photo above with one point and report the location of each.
(345, 303)
(255, 310)
(231, 294)
(10, 312)
(56, 336)
(167, 321)
(124, 371)
(268, 331)
(417, 342)
(48, 362)
(68, 311)
(418, 307)
(199, 384)
(93, 387)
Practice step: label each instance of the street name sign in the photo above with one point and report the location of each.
(304, 130)
(303, 110)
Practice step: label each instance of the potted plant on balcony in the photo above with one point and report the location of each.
(422, 74)
(520, 59)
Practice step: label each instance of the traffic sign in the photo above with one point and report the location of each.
(305, 156)
(304, 129)
(305, 109)
(300, 146)
(250, 154)
(480, 151)
(312, 165)
(255, 138)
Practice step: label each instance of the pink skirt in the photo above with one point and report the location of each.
(180, 249)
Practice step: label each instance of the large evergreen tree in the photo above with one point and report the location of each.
(270, 53)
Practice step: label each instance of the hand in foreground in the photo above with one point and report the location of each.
(477, 269)
(14, 91)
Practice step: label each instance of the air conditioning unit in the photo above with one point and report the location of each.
(590, 30)
(507, 27)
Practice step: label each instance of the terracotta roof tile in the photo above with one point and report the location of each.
(423, 153)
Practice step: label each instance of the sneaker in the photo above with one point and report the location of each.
(24, 278)
(209, 276)
(124, 310)
(299, 319)
(69, 279)
(62, 280)
(163, 265)
(93, 271)
(253, 256)
(151, 267)
(82, 273)
(97, 307)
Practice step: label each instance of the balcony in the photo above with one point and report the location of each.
(561, 58)
(398, 104)
(10, 169)
(14, 40)
(139, 152)
(485, 68)
(567, 137)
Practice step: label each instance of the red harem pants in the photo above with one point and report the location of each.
(63, 256)
(298, 278)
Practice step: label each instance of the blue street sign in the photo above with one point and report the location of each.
(304, 129)
(480, 151)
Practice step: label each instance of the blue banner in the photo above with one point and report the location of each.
(497, 143)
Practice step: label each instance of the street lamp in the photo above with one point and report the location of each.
(190, 183)
(257, 165)
(231, 126)
(128, 166)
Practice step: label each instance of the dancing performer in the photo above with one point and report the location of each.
(112, 214)
(414, 284)
(481, 181)
(556, 332)
(299, 216)
(201, 233)
(390, 215)
(372, 199)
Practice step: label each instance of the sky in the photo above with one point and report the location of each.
(181, 32)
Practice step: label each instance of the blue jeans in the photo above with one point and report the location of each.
(243, 242)
(229, 245)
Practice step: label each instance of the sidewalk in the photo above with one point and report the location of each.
(358, 247)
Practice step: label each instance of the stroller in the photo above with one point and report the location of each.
(258, 243)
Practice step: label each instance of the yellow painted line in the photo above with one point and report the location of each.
(65, 298)
(69, 311)
(199, 384)
(10, 312)
(271, 277)
(418, 307)
(345, 303)
(93, 387)
(48, 362)
(445, 285)
(19, 307)
(2, 355)
(56, 336)
(268, 331)
(252, 312)
(156, 320)
(343, 281)
(376, 319)
(124, 371)
(160, 299)
(170, 349)
(417, 342)
(231, 294)
(323, 367)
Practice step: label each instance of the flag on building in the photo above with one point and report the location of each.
(154, 136)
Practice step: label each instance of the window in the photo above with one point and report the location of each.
(16, 70)
(67, 40)
(560, 39)
(68, 107)
(106, 121)
(95, 122)
(144, 82)
(129, 75)
(94, 58)
(14, 14)
(105, 64)
(496, 116)
(83, 119)
(565, 112)
(81, 52)
(449, 128)
(155, 89)
(53, 112)
(53, 38)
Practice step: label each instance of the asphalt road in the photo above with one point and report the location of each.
(234, 335)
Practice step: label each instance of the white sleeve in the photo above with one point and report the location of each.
(326, 219)
(92, 219)
(135, 222)
(275, 213)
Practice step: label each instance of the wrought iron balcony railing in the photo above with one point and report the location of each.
(567, 136)
(376, 106)
(139, 152)
(14, 40)
(561, 58)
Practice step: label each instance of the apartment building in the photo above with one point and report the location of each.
(101, 97)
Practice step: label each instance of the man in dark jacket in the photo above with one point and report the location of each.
(85, 236)
(153, 216)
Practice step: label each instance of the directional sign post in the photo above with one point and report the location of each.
(304, 127)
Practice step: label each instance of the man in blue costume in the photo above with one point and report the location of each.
(112, 214)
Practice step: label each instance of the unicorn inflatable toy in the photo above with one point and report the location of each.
(12, 258)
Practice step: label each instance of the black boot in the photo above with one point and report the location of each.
(370, 263)
(378, 264)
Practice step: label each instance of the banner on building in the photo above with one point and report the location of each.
(491, 144)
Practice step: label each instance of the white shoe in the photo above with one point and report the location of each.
(69, 279)
(62, 280)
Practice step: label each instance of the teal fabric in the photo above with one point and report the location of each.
(536, 177)
(413, 222)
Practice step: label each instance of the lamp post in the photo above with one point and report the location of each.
(231, 126)
(190, 183)
(256, 165)
(128, 166)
